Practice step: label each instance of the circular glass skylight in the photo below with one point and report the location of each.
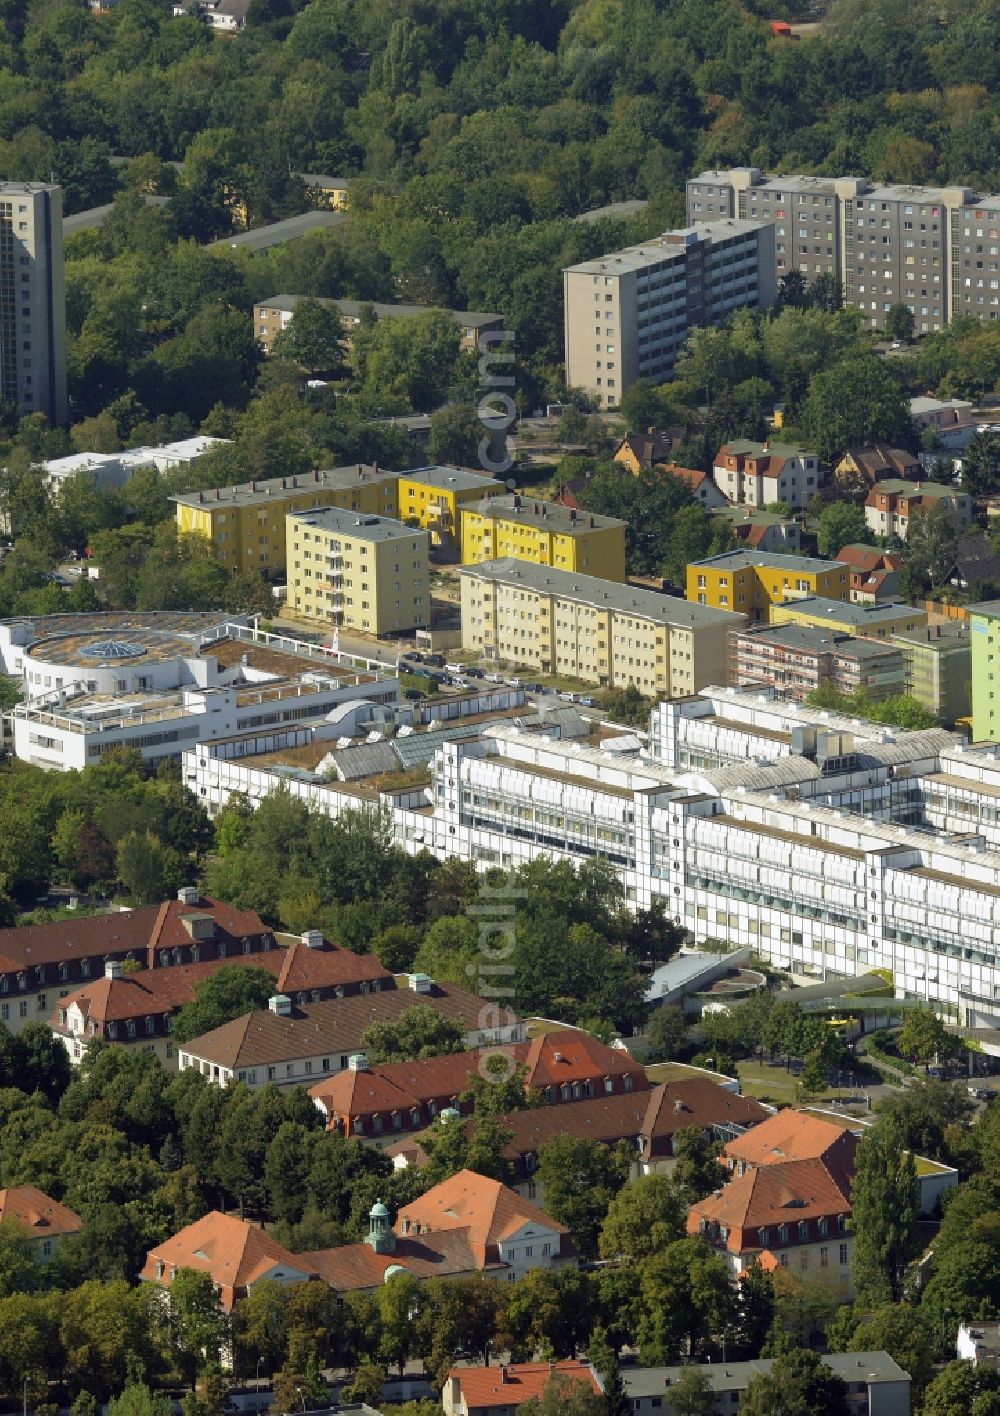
(114, 649)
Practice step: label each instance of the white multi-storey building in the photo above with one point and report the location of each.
(829, 845)
(159, 684)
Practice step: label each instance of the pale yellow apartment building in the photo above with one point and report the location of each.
(599, 631)
(435, 497)
(246, 523)
(545, 533)
(361, 571)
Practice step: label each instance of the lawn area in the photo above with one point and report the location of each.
(679, 1072)
(772, 1084)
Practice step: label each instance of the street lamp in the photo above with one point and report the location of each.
(301, 1397)
(256, 1388)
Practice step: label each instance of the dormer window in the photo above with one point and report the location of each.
(782, 1233)
(628, 1081)
(63, 972)
(803, 1229)
(824, 1228)
(159, 1268)
(84, 968)
(765, 1238)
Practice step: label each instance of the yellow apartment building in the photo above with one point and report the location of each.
(246, 523)
(325, 191)
(599, 631)
(363, 572)
(434, 497)
(750, 582)
(547, 534)
(867, 621)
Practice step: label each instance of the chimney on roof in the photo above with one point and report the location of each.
(357, 1062)
(312, 938)
(592, 523)
(188, 895)
(279, 1003)
(572, 513)
(504, 1374)
(113, 968)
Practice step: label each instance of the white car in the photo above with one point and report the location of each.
(455, 668)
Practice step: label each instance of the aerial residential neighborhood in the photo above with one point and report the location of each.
(499, 740)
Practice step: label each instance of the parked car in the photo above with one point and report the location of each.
(413, 656)
(436, 661)
(514, 683)
(493, 678)
(455, 668)
(587, 702)
(474, 673)
(567, 697)
(980, 1093)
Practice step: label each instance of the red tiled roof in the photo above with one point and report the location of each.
(769, 1195)
(357, 1266)
(561, 1057)
(335, 1025)
(304, 969)
(654, 1115)
(163, 990)
(792, 1135)
(405, 1083)
(862, 557)
(32, 1209)
(483, 1388)
(152, 991)
(235, 1253)
(569, 1056)
(689, 475)
(139, 932)
(487, 1210)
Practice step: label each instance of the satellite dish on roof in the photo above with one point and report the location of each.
(510, 484)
